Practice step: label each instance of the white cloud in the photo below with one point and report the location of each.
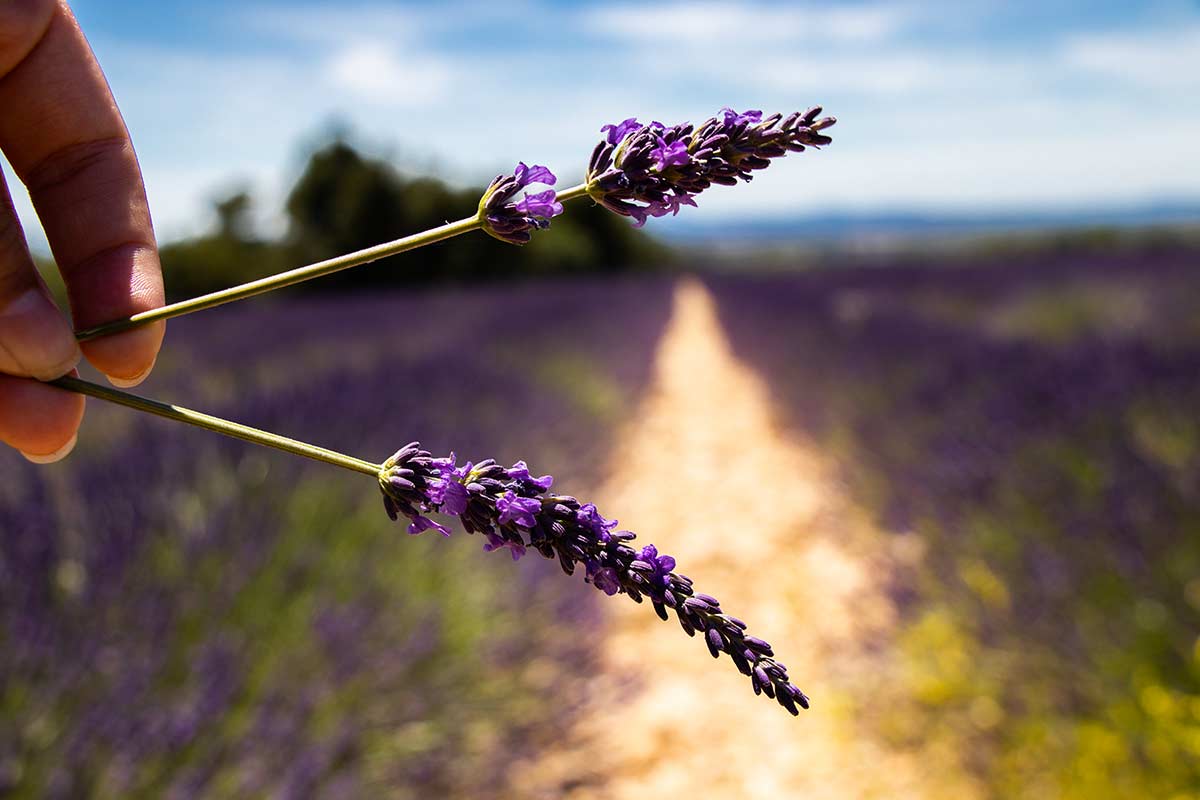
(1166, 60)
(724, 24)
(378, 73)
(778, 50)
(376, 54)
(338, 23)
(889, 72)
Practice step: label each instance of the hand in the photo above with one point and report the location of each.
(63, 134)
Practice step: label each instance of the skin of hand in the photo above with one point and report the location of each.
(61, 131)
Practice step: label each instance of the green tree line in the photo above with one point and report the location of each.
(345, 201)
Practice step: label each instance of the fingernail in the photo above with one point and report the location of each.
(128, 383)
(36, 336)
(57, 455)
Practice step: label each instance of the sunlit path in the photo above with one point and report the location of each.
(756, 520)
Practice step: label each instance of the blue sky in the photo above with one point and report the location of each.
(977, 105)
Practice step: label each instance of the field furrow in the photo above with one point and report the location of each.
(767, 530)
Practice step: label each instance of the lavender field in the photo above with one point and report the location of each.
(1032, 430)
(963, 502)
(186, 616)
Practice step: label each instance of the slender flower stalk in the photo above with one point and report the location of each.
(533, 210)
(215, 424)
(282, 279)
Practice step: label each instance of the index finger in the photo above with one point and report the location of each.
(65, 138)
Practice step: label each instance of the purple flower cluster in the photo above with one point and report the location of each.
(514, 510)
(512, 222)
(643, 171)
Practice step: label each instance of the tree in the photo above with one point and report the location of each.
(344, 201)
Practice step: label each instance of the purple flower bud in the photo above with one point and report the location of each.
(403, 453)
(754, 643)
(401, 483)
(590, 518)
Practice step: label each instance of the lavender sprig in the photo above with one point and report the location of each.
(638, 171)
(514, 510)
(512, 222)
(643, 171)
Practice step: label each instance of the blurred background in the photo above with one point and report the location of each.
(967, 334)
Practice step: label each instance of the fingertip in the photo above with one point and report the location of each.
(129, 383)
(113, 286)
(127, 358)
(38, 420)
(56, 456)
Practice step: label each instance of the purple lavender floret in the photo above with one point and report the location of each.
(520, 472)
(673, 154)
(520, 511)
(643, 171)
(591, 520)
(515, 511)
(512, 221)
(731, 117)
(654, 568)
(615, 133)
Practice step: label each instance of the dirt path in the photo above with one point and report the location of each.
(756, 520)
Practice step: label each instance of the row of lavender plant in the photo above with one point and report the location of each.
(1034, 425)
(181, 616)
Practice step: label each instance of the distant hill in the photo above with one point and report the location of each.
(885, 226)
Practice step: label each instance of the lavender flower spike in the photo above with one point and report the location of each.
(514, 510)
(643, 171)
(512, 222)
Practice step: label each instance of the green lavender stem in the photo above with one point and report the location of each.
(208, 422)
(572, 193)
(300, 274)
